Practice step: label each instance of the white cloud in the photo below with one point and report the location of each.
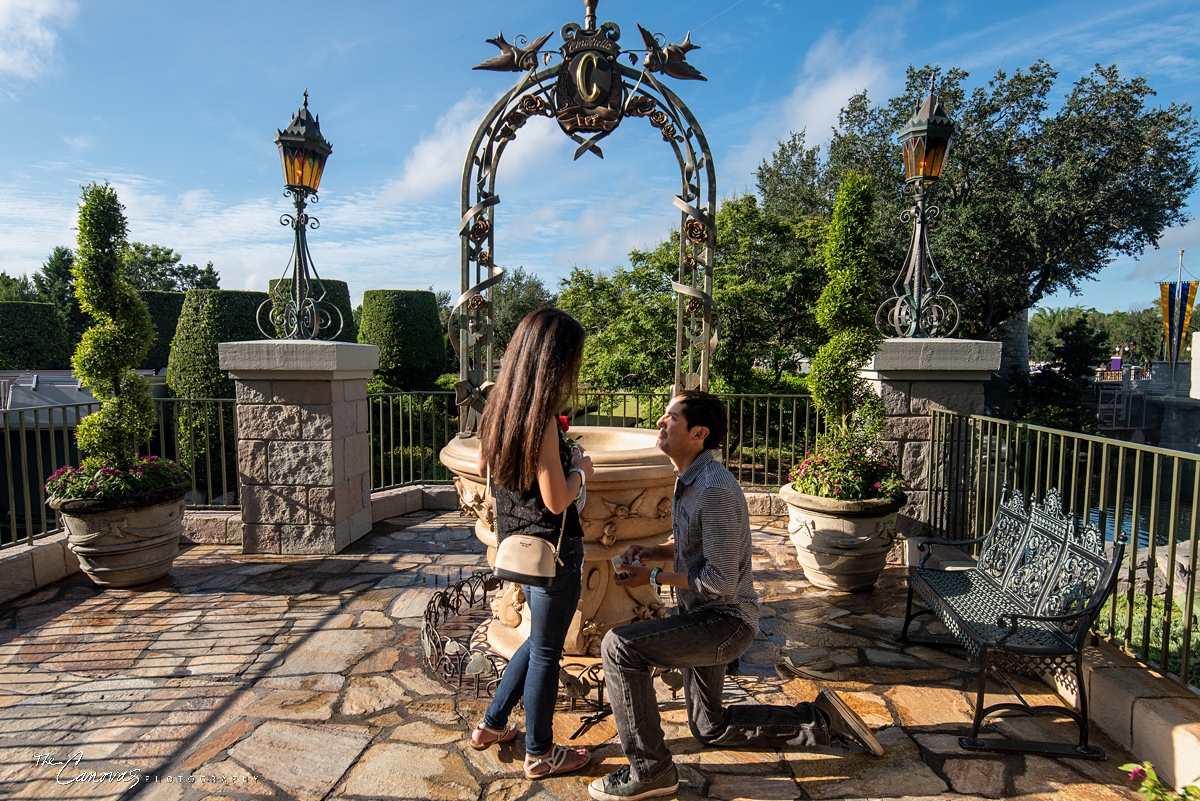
(28, 35)
(834, 67)
(436, 160)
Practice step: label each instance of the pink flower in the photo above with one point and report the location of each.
(878, 484)
(1137, 774)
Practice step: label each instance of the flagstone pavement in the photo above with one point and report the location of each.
(266, 677)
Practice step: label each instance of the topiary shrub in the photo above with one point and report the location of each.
(116, 340)
(404, 325)
(849, 461)
(164, 308)
(337, 294)
(32, 337)
(209, 317)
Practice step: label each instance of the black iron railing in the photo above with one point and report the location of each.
(1149, 493)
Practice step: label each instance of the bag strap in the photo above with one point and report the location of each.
(562, 526)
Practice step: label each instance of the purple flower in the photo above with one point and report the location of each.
(1137, 774)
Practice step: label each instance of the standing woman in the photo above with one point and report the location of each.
(535, 478)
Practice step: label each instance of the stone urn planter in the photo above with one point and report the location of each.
(127, 541)
(842, 545)
(628, 502)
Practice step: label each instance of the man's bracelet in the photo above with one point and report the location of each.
(654, 577)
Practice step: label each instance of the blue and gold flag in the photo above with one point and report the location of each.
(1177, 301)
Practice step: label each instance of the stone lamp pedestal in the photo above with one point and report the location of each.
(304, 469)
(914, 376)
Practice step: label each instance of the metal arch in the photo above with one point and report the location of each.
(470, 324)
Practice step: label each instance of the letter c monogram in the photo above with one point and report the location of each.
(584, 70)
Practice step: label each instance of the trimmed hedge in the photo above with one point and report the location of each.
(32, 337)
(337, 293)
(164, 308)
(404, 324)
(209, 316)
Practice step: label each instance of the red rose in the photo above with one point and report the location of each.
(563, 423)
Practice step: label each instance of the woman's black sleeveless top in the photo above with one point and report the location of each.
(524, 512)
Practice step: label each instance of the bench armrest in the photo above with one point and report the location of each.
(925, 546)
(1013, 619)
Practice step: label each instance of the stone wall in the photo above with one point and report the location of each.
(913, 377)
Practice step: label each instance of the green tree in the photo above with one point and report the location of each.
(629, 315)
(1034, 199)
(514, 297)
(117, 339)
(157, 268)
(1139, 331)
(1047, 327)
(56, 285)
(1054, 395)
(17, 289)
(767, 269)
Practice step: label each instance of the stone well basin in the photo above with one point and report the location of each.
(628, 502)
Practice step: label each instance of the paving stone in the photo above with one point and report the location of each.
(304, 761)
(331, 651)
(365, 696)
(980, 777)
(320, 682)
(931, 706)
(401, 770)
(373, 620)
(421, 732)
(293, 705)
(833, 772)
(215, 745)
(758, 788)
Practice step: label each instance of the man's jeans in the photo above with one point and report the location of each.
(532, 673)
(700, 644)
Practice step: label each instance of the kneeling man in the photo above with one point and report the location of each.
(716, 620)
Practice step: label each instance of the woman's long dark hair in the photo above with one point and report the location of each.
(537, 375)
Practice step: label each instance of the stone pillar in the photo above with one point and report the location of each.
(914, 376)
(304, 469)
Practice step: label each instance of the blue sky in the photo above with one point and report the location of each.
(176, 104)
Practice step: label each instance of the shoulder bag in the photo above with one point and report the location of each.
(525, 558)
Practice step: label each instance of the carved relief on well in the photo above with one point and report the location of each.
(628, 502)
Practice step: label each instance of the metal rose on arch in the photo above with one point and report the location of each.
(476, 303)
(484, 258)
(695, 231)
(480, 229)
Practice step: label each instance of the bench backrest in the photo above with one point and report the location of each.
(1053, 566)
(1005, 538)
(1085, 578)
(1033, 567)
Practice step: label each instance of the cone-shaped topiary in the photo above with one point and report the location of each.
(116, 341)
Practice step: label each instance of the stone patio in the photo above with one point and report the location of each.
(290, 677)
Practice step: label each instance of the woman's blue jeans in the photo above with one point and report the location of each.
(532, 673)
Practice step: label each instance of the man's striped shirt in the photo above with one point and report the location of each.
(711, 527)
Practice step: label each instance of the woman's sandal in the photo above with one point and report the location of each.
(559, 759)
(484, 736)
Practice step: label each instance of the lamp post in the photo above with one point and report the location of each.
(301, 311)
(918, 308)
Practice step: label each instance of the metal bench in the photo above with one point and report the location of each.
(1025, 606)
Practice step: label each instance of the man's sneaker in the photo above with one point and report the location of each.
(621, 786)
(845, 723)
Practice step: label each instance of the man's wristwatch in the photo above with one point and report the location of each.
(654, 577)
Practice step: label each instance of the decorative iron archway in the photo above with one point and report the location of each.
(589, 94)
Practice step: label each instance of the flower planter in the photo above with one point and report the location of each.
(841, 545)
(128, 541)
